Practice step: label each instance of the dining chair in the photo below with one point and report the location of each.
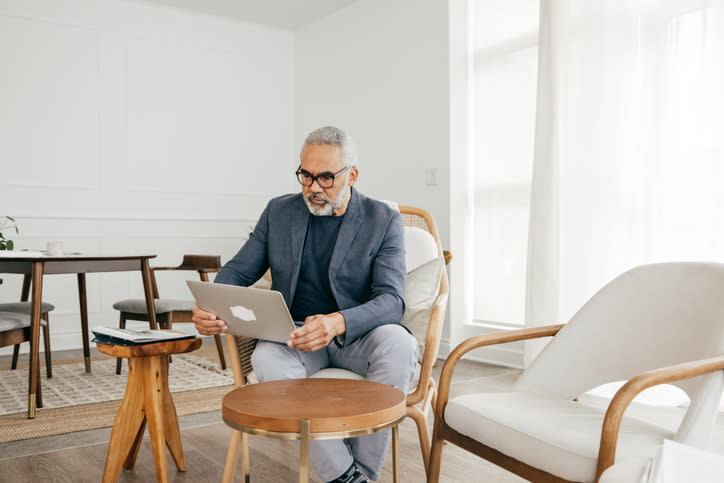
(14, 330)
(654, 324)
(24, 307)
(171, 311)
(426, 302)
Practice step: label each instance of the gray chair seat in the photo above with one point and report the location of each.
(15, 320)
(138, 306)
(24, 307)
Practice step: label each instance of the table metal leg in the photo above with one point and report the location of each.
(83, 302)
(304, 443)
(395, 454)
(245, 458)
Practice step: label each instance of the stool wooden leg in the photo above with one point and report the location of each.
(126, 425)
(232, 455)
(304, 443)
(153, 374)
(170, 423)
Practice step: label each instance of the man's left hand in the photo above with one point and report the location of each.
(317, 332)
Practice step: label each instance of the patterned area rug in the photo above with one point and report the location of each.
(74, 400)
(71, 385)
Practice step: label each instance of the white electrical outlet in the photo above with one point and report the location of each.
(431, 177)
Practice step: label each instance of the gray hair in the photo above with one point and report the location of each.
(333, 136)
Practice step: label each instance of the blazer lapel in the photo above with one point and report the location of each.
(299, 223)
(347, 232)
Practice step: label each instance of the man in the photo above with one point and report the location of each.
(337, 257)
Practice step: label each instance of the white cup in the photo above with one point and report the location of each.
(55, 248)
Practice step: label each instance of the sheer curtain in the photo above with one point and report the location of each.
(629, 146)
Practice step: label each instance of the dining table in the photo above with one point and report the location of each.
(34, 265)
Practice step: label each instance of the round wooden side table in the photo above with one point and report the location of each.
(147, 399)
(307, 409)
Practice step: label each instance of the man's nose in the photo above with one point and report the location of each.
(316, 187)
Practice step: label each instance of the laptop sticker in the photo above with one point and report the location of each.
(243, 313)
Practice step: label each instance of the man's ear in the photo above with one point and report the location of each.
(353, 173)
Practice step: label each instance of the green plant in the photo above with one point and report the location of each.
(8, 223)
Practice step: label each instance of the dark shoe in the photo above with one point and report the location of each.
(352, 475)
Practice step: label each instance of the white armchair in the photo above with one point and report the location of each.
(655, 324)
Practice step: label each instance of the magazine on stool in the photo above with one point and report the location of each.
(116, 336)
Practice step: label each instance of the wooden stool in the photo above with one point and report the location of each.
(307, 409)
(147, 398)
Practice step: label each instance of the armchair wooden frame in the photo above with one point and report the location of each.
(418, 401)
(612, 420)
(203, 264)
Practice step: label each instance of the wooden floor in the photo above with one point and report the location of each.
(79, 457)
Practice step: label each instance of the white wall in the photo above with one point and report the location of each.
(131, 128)
(379, 69)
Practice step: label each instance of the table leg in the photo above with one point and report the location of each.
(146, 275)
(83, 301)
(33, 372)
(395, 454)
(245, 463)
(304, 443)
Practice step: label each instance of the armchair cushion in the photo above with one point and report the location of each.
(558, 436)
(424, 269)
(138, 306)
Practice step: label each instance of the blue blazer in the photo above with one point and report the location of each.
(366, 272)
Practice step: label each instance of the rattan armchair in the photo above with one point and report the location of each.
(422, 395)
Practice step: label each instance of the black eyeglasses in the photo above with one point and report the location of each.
(324, 180)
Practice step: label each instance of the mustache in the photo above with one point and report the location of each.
(318, 196)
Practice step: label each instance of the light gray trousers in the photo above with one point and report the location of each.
(387, 355)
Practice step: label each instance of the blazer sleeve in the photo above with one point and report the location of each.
(250, 262)
(386, 304)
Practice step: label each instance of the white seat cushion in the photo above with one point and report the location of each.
(138, 306)
(557, 436)
(15, 320)
(24, 307)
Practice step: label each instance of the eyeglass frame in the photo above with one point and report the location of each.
(303, 172)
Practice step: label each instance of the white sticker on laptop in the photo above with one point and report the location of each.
(243, 313)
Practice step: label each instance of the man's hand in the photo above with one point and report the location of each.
(206, 322)
(317, 331)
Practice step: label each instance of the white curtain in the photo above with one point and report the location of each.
(629, 146)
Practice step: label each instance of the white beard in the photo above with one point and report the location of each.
(330, 206)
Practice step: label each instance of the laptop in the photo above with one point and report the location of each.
(249, 312)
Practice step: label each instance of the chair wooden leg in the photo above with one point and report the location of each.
(122, 325)
(232, 456)
(220, 349)
(422, 431)
(16, 353)
(433, 468)
(46, 347)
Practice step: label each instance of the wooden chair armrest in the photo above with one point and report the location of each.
(627, 392)
(467, 345)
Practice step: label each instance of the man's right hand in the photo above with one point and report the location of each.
(206, 322)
